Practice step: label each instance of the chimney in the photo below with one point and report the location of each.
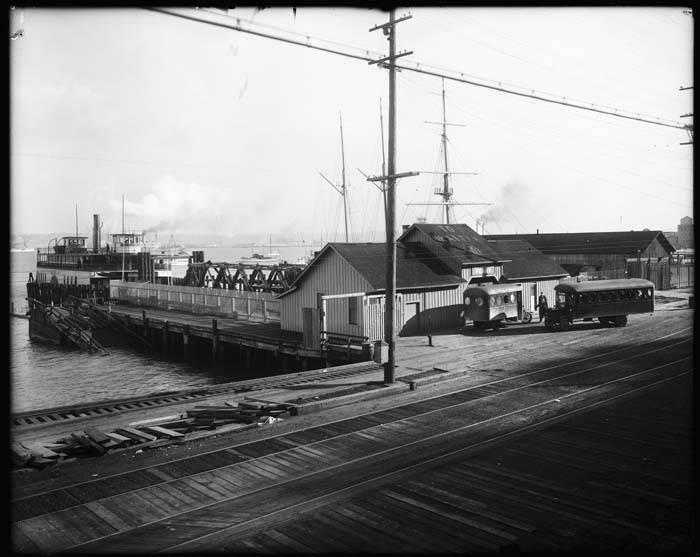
(538, 230)
(96, 233)
(404, 227)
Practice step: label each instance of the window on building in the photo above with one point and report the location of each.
(352, 310)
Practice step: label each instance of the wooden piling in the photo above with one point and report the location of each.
(145, 324)
(214, 341)
(186, 351)
(164, 338)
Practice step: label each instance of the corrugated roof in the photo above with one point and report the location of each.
(416, 267)
(612, 243)
(458, 240)
(526, 261)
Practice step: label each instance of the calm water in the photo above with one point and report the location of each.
(42, 375)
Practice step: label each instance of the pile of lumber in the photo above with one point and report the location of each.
(247, 411)
(94, 442)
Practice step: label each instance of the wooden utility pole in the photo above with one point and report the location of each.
(689, 127)
(389, 29)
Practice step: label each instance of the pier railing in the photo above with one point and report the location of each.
(244, 305)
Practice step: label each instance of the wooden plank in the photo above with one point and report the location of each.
(45, 535)
(439, 508)
(20, 543)
(163, 432)
(467, 505)
(19, 454)
(386, 538)
(88, 443)
(121, 439)
(135, 434)
(107, 515)
(38, 449)
(97, 435)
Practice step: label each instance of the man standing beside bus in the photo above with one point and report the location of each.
(542, 305)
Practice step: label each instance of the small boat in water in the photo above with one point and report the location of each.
(259, 259)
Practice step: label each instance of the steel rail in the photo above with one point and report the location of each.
(54, 415)
(430, 460)
(414, 415)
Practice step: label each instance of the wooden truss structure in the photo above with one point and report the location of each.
(234, 276)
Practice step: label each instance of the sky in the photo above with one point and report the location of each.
(206, 130)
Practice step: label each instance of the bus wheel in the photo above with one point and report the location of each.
(621, 321)
(527, 317)
(564, 324)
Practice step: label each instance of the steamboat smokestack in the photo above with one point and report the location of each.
(96, 233)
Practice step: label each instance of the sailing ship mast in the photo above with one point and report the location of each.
(446, 192)
(341, 188)
(123, 247)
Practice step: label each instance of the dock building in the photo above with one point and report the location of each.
(342, 290)
(606, 255)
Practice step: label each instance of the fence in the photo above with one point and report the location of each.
(248, 306)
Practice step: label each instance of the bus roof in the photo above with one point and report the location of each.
(491, 288)
(598, 285)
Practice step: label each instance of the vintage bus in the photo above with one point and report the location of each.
(488, 305)
(609, 301)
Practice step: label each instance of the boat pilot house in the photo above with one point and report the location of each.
(341, 292)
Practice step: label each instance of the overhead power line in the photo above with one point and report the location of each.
(457, 76)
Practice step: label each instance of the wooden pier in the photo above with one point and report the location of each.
(188, 336)
(588, 453)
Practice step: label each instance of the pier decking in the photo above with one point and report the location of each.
(580, 443)
(223, 332)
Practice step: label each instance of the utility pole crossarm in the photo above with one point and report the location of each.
(382, 60)
(386, 27)
(367, 177)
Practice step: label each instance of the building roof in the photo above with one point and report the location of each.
(526, 261)
(416, 267)
(579, 243)
(459, 241)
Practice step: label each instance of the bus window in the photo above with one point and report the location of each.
(561, 300)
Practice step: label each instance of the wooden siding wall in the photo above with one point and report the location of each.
(655, 250)
(438, 310)
(611, 266)
(332, 276)
(247, 306)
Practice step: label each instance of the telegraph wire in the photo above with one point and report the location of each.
(457, 76)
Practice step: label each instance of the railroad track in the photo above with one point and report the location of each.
(230, 482)
(58, 414)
